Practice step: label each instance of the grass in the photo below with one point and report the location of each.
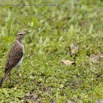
(53, 28)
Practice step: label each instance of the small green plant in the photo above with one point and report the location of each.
(53, 29)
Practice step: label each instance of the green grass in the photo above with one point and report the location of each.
(52, 30)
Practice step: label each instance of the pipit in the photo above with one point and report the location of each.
(15, 56)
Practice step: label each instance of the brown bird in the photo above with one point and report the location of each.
(15, 56)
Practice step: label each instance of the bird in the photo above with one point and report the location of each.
(15, 56)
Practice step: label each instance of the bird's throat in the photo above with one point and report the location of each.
(19, 40)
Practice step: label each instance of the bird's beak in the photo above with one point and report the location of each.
(26, 32)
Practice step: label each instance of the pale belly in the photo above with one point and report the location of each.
(21, 58)
(19, 62)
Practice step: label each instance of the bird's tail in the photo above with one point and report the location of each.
(2, 80)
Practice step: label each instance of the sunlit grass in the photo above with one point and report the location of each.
(52, 30)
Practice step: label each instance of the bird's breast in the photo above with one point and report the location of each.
(22, 47)
(19, 63)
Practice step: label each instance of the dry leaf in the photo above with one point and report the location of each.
(68, 62)
(101, 55)
(95, 58)
(74, 49)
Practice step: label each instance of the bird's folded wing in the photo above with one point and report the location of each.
(14, 57)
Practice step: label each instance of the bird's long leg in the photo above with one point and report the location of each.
(19, 74)
(9, 75)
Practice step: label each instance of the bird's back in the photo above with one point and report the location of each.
(15, 55)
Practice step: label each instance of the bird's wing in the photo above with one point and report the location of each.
(14, 57)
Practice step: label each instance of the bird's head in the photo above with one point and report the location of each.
(20, 35)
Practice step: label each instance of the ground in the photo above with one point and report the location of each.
(63, 51)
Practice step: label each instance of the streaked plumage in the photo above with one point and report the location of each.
(15, 56)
